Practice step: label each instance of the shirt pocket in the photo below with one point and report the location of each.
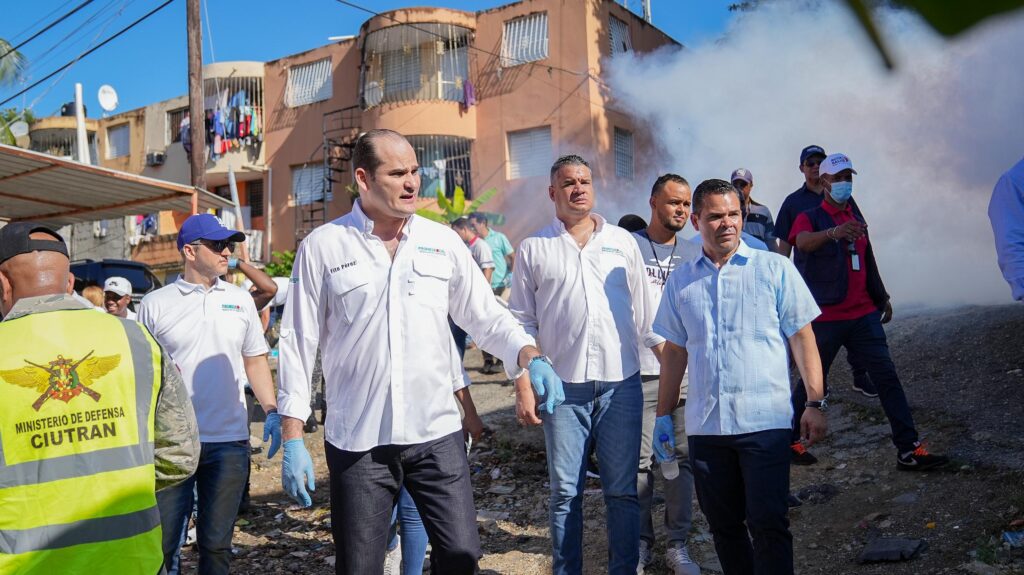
(766, 313)
(350, 293)
(428, 284)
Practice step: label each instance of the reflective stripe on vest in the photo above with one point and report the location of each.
(76, 444)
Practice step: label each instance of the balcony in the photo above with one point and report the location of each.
(58, 136)
(415, 62)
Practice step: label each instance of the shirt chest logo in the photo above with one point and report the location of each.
(231, 307)
(431, 250)
(345, 265)
(613, 251)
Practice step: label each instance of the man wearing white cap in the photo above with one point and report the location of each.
(117, 294)
(835, 257)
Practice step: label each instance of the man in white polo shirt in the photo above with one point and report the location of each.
(580, 287)
(117, 294)
(374, 289)
(213, 334)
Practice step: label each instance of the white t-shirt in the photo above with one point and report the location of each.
(207, 333)
(482, 253)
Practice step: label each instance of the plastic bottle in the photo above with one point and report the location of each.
(669, 467)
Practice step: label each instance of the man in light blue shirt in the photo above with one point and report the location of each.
(728, 316)
(1006, 211)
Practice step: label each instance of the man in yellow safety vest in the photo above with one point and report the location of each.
(95, 421)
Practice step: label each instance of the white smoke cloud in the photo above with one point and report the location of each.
(928, 140)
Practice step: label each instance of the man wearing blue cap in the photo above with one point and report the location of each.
(212, 331)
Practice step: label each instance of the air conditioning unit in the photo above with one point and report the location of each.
(155, 159)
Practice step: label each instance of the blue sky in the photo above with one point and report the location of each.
(148, 63)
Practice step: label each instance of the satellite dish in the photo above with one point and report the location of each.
(19, 129)
(108, 98)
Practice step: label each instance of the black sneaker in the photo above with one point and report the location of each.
(920, 460)
(865, 387)
(793, 501)
(800, 455)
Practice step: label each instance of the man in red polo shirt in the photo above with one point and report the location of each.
(835, 258)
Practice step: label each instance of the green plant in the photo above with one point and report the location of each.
(281, 264)
(456, 207)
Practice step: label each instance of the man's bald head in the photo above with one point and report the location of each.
(35, 273)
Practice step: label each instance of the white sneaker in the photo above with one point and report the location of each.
(393, 560)
(677, 558)
(646, 556)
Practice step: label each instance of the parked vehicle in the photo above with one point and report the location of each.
(91, 272)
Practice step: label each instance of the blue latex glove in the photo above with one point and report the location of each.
(296, 469)
(272, 432)
(664, 425)
(546, 384)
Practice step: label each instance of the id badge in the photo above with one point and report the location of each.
(855, 262)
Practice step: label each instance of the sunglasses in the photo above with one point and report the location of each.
(216, 246)
(811, 163)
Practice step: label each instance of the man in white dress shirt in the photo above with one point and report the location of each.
(579, 286)
(373, 289)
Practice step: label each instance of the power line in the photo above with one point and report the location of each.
(51, 25)
(39, 21)
(90, 51)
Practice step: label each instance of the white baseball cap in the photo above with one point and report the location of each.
(118, 285)
(834, 164)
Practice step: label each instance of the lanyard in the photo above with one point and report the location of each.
(658, 261)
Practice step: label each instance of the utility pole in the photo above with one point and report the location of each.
(197, 116)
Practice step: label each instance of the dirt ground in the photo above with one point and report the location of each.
(963, 371)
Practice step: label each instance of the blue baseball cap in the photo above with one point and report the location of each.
(811, 151)
(206, 227)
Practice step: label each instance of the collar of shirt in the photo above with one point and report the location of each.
(599, 222)
(43, 303)
(834, 211)
(187, 288)
(363, 222)
(743, 252)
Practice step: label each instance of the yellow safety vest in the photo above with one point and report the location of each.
(77, 483)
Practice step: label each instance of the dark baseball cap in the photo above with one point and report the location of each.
(811, 151)
(15, 240)
(206, 227)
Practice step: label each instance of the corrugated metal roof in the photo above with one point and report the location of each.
(44, 188)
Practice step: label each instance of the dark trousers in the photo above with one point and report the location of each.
(365, 487)
(865, 338)
(459, 335)
(742, 482)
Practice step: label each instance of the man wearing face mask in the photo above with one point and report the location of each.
(835, 257)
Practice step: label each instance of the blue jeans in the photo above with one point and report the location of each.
(742, 484)
(405, 520)
(608, 414)
(219, 481)
(865, 338)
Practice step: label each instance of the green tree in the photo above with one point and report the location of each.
(456, 207)
(12, 65)
(10, 116)
(281, 266)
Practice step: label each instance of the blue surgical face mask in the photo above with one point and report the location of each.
(841, 191)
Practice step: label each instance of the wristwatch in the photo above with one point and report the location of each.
(819, 405)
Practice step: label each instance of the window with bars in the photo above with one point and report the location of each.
(255, 190)
(524, 40)
(529, 152)
(618, 35)
(623, 153)
(174, 118)
(118, 141)
(308, 184)
(444, 164)
(309, 83)
(404, 63)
